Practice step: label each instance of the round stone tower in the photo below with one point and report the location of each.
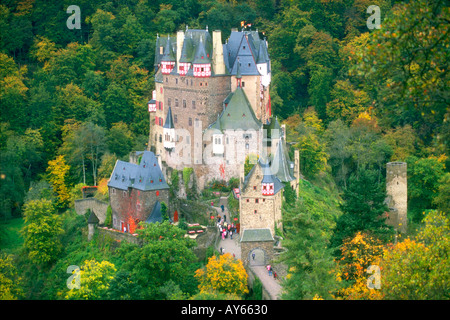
(397, 192)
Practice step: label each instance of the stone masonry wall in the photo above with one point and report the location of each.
(95, 205)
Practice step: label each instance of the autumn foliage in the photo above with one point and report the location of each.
(224, 274)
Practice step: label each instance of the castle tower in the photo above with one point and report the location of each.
(397, 190)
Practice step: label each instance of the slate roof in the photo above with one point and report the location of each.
(145, 176)
(252, 235)
(155, 215)
(246, 48)
(281, 165)
(268, 176)
(93, 219)
(238, 114)
(243, 46)
(169, 121)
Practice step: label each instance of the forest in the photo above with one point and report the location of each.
(73, 101)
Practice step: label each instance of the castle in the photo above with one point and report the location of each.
(210, 110)
(211, 102)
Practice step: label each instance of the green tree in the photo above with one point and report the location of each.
(95, 279)
(119, 139)
(363, 208)
(308, 256)
(165, 255)
(424, 175)
(41, 232)
(406, 61)
(418, 269)
(10, 281)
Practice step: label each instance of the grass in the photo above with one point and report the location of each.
(11, 239)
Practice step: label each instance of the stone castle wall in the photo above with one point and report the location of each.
(95, 205)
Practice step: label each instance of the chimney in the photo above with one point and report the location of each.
(180, 40)
(218, 63)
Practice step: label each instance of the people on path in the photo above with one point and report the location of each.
(269, 269)
(222, 207)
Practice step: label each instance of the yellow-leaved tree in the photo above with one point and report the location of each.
(223, 274)
(357, 255)
(93, 281)
(58, 170)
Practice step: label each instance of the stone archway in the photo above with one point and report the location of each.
(257, 257)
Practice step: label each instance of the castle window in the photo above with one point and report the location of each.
(264, 187)
(124, 193)
(243, 47)
(256, 200)
(169, 102)
(197, 122)
(248, 200)
(184, 103)
(167, 79)
(161, 50)
(176, 79)
(176, 102)
(113, 191)
(190, 121)
(254, 187)
(243, 84)
(138, 207)
(247, 146)
(193, 104)
(175, 118)
(255, 212)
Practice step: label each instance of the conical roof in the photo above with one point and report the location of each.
(168, 55)
(281, 164)
(169, 121)
(200, 54)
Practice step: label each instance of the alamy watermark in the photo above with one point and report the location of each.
(374, 281)
(74, 21)
(74, 281)
(374, 21)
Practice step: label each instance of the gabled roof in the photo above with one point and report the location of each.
(244, 48)
(238, 114)
(145, 176)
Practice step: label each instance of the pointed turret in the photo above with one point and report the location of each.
(168, 58)
(202, 60)
(281, 165)
(169, 131)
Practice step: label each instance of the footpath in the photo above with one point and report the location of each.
(232, 246)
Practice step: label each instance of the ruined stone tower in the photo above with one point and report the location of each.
(397, 189)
